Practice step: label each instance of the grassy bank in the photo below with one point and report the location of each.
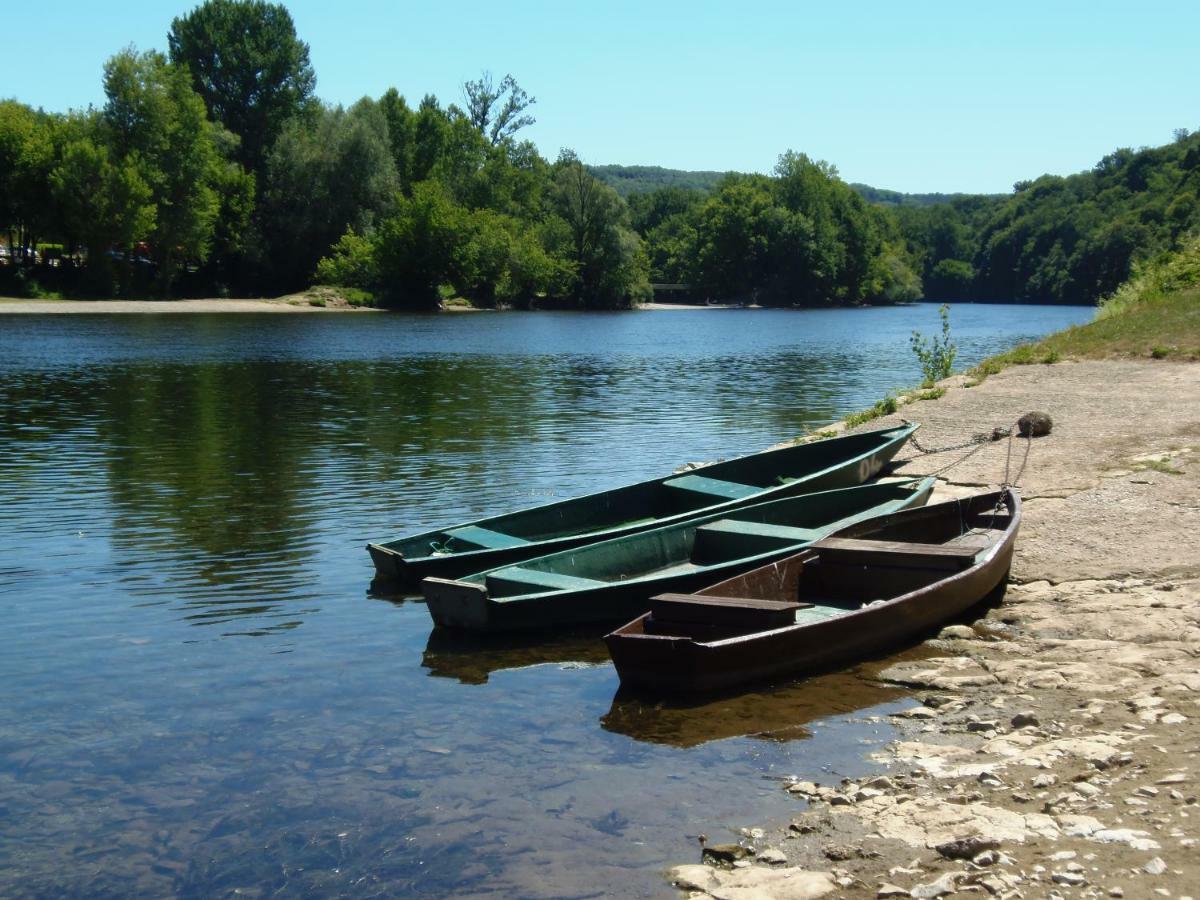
(1155, 314)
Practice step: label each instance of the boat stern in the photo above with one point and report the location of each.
(457, 604)
(389, 564)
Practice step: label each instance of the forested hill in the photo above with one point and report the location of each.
(1057, 239)
(626, 180)
(885, 197)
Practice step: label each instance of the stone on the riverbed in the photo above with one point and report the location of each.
(1068, 879)
(807, 788)
(947, 884)
(966, 847)
(725, 853)
(1156, 866)
(891, 890)
(780, 884)
(773, 856)
(962, 632)
(1034, 424)
(1024, 720)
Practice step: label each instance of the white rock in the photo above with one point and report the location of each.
(773, 857)
(947, 884)
(802, 787)
(1173, 719)
(1156, 866)
(1146, 791)
(961, 632)
(1063, 855)
(1174, 778)
(1070, 879)
(1086, 788)
(781, 884)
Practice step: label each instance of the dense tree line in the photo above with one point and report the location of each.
(801, 236)
(217, 169)
(1056, 239)
(1060, 240)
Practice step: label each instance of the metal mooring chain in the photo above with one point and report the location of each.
(976, 443)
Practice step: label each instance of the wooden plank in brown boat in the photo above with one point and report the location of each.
(704, 609)
(855, 551)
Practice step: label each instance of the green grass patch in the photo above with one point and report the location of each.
(1158, 465)
(1156, 314)
(1158, 327)
(931, 394)
(884, 407)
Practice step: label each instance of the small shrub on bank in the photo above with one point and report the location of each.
(935, 354)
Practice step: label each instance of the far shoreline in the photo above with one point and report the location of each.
(18, 306)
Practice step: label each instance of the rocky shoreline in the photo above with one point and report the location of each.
(1051, 748)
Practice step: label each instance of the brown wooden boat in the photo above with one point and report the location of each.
(869, 586)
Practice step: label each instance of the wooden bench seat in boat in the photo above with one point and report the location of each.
(537, 580)
(727, 538)
(702, 609)
(711, 487)
(851, 551)
(789, 533)
(486, 538)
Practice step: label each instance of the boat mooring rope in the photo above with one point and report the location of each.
(973, 445)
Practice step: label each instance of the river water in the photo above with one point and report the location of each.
(200, 694)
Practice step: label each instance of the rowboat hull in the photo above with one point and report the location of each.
(611, 580)
(525, 534)
(648, 659)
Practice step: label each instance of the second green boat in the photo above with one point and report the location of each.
(612, 580)
(773, 474)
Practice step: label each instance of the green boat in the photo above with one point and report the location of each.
(613, 579)
(759, 477)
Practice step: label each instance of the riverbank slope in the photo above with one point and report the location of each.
(1056, 738)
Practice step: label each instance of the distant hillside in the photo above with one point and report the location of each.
(628, 180)
(885, 197)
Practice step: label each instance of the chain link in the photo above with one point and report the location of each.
(976, 443)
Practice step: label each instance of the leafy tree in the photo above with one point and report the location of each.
(430, 136)
(102, 202)
(26, 155)
(402, 136)
(323, 178)
(249, 66)
(497, 111)
(417, 248)
(609, 265)
(157, 123)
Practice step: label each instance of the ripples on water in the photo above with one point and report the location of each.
(199, 694)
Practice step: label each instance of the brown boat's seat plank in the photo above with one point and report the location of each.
(896, 553)
(711, 487)
(710, 610)
(485, 537)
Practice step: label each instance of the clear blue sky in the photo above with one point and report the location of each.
(913, 96)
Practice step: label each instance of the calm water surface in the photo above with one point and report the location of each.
(198, 692)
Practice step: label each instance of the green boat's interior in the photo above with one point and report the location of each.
(738, 479)
(740, 534)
